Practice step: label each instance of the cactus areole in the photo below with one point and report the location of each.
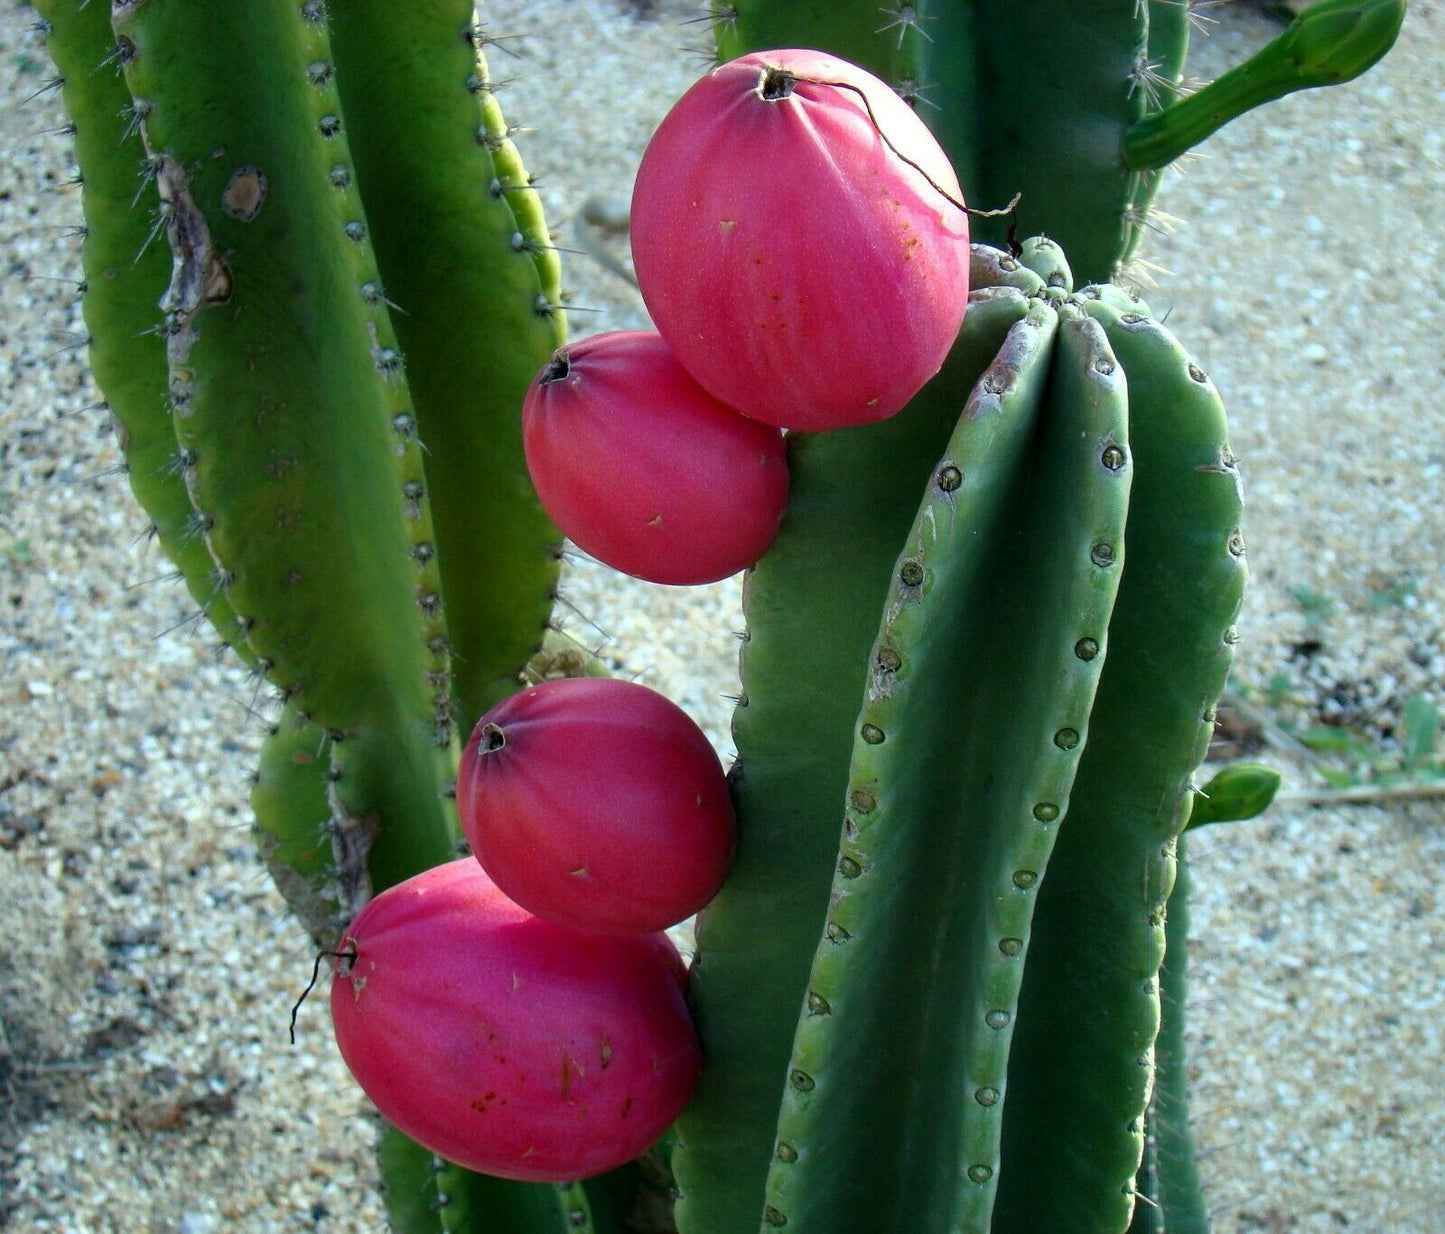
(508, 1044)
(800, 241)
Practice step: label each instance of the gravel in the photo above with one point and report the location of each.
(145, 1079)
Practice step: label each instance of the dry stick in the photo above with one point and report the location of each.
(1271, 732)
(1363, 794)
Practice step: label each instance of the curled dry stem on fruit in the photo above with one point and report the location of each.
(347, 953)
(775, 84)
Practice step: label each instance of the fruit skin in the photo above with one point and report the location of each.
(644, 469)
(508, 1044)
(800, 269)
(605, 807)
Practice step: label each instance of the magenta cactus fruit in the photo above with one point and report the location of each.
(801, 269)
(644, 469)
(597, 803)
(507, 1044)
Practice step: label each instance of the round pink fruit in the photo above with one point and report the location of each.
(505, 1043)
(597, 803)
(644, 469)
(800, 268)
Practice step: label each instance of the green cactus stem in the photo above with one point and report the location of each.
(426, 1195)
(127, 268)
(293, 419)
(1171, 1200)
(1329, 43)
(466, 259)
(294, 825)
(813, 606)
(1082, 1064)
(966, 749)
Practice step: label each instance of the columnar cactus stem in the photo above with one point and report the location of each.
(1082, 1061)
(466, 259)
(813, 608)
(977, 707)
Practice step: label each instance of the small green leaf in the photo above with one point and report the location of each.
(1316, 605)
(1240, 791)
(1422, 724)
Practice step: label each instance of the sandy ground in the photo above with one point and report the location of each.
(149, 968)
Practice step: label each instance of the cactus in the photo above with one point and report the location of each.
(317, 285)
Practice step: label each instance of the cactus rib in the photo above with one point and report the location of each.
(465, 257)
(1082, 1062)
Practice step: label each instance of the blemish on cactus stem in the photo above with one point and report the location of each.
(864, 802)
(1231, 636)
(1113, 457)
(1132, 319)
(911, 573)
(1024, 879)
(355, 230)
(245, 193)
(314, 11)
(340, 176)
(1105, 366)
(872, 734)
(1236, 543)
(329, 125)
(776, 84)
(1066, 738)
(1102, 554)
(556, 369)
(1086, 648)
(773, 1217)
(950, 478)
(986, 1096)
(1197, 374)
(1046, 811)
(801, 1080)
(980, 1173)
(997, 1019)
(849, 868)
(889, 660)
(786, 1152)
(818, 1005)
(836, 933)
(318, 73)
(1011, 946)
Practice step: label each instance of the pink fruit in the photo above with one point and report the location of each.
(505, 1043)
(597, 803)
(644, 469)
(801, 270)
